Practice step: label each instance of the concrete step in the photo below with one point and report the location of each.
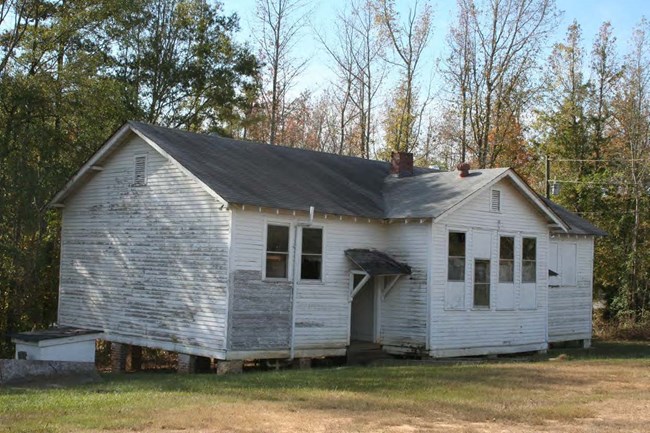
(364, 353)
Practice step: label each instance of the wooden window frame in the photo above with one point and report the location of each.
(513, 260)
(464, 257)
(524, 261)
(487, 284)
(322, 256)
(266, 251)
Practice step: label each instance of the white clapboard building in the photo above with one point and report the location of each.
(236, 250)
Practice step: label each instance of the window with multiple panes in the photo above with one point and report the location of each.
(456, 262)
(506, 259)
(140, 171)
(481, 283)
(277, 251)
(529, 260)
(311, 260)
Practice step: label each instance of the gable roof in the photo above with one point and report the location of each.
(432, 194)
(264, 175)
(245, 172)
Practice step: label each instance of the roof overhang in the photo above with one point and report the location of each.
(376, 263)
(524, 188)
(117, 138)
(93, 165)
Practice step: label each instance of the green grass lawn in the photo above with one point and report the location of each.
(574, 391)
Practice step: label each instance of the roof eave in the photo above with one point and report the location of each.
(105, 149)
(522, 186)
(464, 199)
(116, 139)
(534, 198)
(178, 165)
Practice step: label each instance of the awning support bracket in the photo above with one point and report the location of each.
(359, 286)
(390, 285)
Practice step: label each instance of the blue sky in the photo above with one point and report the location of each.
(623, 14)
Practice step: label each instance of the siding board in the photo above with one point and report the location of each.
(146, 264)
(404, 311)
(466, 330)
(570, 303)
(322, 309)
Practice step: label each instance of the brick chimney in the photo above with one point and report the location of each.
(463, 169)
(401, 164)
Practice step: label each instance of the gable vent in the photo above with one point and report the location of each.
(140, 178)
(495, 204)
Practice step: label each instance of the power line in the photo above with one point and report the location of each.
(602, 213)
(588, 182)
(597, 160)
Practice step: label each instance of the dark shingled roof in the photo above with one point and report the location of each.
(264, 175)
(431, 194)
(577, 225)
(376, 262)
(275, 176)
(51, 334)
(258, 174)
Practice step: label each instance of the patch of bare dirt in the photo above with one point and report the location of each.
(613, 416)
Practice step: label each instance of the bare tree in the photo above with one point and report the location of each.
(605, 73)
(499, 53)
(458, 73)
(14, 17)
(371, 72)
(343, 52)
(280, 23)
(632, 113)
(408, 40)
(356, 56)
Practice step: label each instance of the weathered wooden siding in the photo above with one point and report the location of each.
(404, 310)
(147, 265)
(259, 314)
(457, 328)
(322, 309)
(570, 297)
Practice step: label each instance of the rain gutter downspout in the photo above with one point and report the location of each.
(295, 279)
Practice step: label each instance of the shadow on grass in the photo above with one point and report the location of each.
(520, 392)
(471, 392)
(607, 350)
(396, 380)
(412, 380)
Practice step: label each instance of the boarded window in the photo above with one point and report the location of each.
(495, 203)
(140, 171)
(568, 271)
(311, 261)
(481, 283)
(456, 264)
(277, 251)
(507, 259)
(529, 260)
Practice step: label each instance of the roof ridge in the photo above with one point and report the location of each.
(135, 123)
(275, 176)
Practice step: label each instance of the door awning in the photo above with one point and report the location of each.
(375, 263)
